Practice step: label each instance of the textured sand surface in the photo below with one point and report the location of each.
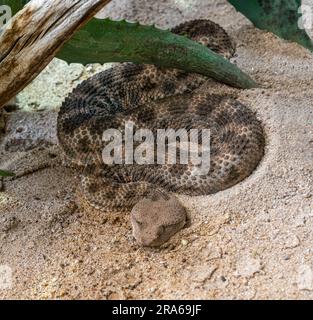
(253, 241)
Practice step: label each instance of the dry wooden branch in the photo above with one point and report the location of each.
(35, 34)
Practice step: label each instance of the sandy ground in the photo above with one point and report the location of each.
(253, 241)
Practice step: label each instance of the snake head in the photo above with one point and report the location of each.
(155, 220)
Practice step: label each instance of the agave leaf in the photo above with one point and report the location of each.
(120, 41)
(281, 17)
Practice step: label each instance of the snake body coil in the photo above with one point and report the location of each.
(155, 98)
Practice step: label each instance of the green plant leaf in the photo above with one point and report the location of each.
(280, 17)
(120, 41)
(6, 174)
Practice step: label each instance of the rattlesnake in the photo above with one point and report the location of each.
(154, 98)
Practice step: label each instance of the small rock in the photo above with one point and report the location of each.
(305, 278)
(248, 266)
(116, 296)
(288, 240)
(184, 242)
(33, 130)
(214, 252)
(76, 71)
(203, 273)
(8, 223)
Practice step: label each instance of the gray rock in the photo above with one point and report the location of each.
(26, 131)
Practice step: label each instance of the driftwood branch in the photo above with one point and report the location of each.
(34, 36)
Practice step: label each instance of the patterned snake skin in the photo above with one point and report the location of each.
(155, 98)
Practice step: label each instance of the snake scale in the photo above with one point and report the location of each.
(153, 98)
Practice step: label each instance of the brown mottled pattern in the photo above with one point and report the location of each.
(156, 98)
